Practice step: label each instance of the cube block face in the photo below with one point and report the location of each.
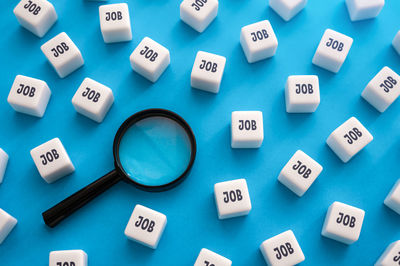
(93, 100)
(207, 257)
(302, 94)
(287, 9)
(3, 164)
(348, 139)
(393, 198)
(343, 223)
(247, 129)
(391, 255)
(29, 96)
(207, 72)
(282, 250)
(232, 198)
(332, 50)
(396, 42)
(37, 16)
(299, 173)
(198, 14)
(258, 41)
(364, 9)
(52, 161)
(115, 23)
(62, 54)
(68, 257)
(7, 223)
(383, 89)
(150, 59)
(146, 226)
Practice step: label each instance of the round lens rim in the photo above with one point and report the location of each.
(153, 112)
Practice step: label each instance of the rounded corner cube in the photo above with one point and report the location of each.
(3, 164)
(208, 257)
(68, 257)
(52, 161)
(207, 71)
(93, 100)
(282, 249)
(62, 54)
(247, 129)
(232, 198)
(392, 200)
(390, 256)
(150, 59)
(302, 94)
(198, 14)
(287, 9)
(300, 173)
(29, 96)
(343, 223)
(115, 23)
(7, 223)
(361, 9)
(396, 42)
(146, 226)
(349, 139)
(37, 16)
(332, 50)
(258, 41)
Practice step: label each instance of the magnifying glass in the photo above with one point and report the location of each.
(153, 149)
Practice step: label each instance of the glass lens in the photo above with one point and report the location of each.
(155, 151)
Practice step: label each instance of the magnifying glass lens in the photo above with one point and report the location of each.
(154, 151)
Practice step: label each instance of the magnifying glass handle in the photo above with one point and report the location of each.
(65, 208)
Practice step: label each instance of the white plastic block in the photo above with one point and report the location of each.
(29, 96)
(198, 14)
(209, 258)
(93, 100)
(115, 23)
(299, 173)
(343, 223)
(207, 71)
(62, 54)
(247, 129)
(348, 139)
(302, 94)
(287, 9)
(150, 59)
(383, 89)
(364, 9)
(391, 256)
(3, 164)
(393, 198)
(146, 226)
(258, 41)
(332, 50)
(7, 223)
(232, 198)
(282, 250)
(68, 258)
(396, 42)
(52, 161)
(37, 16)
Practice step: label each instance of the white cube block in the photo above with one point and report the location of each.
(29, 96)
(232, 198)
(3, 164)
(364, 9)
(150, 59)
(68, 258)
(207, 71)
(332, 50)
(343, 223)
(348, 139)
(391, 256)
(37, 16)
(62, 54)
(383, 89)
(115, 23)
(282, 250)
(209, 258)
(146, 226)
(302, 94)
(258, 41)
(52, 161)
(287, 9)
(299, 173)
(396, 42)
(7, 223)
(393, 198)
(93, 99)
(247, 129)
(198, 14)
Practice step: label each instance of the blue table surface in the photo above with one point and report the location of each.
(192, 217)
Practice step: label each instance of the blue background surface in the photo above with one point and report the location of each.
(192, 218)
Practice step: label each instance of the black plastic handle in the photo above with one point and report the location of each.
(65, 208)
